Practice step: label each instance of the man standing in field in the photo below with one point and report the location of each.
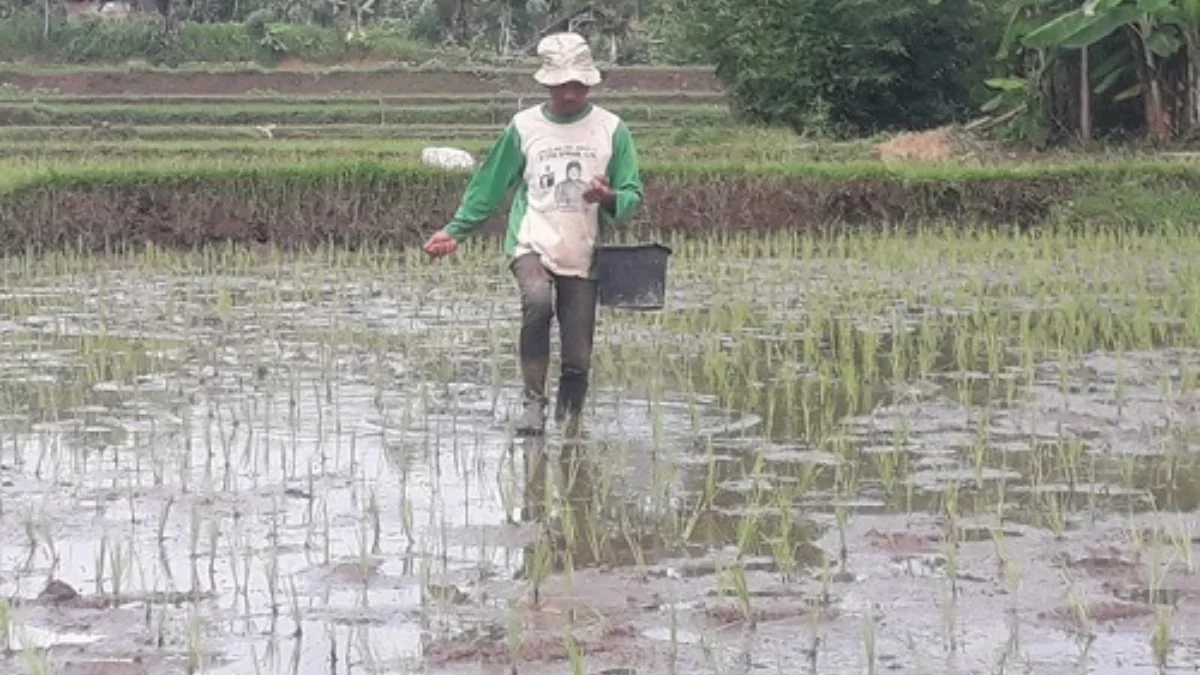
(555, 219)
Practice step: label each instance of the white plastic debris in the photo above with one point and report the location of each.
(448, 158)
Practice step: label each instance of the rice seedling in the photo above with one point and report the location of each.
(37, 661)
(949, 620)
(6, 627)
(869, 645)
(1160, 637)
(194, 643)
(574, 654)
(1181, 540)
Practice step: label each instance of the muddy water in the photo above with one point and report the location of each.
(287, 470)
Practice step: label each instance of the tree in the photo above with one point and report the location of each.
(850, 65)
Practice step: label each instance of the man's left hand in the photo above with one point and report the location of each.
(600, 192)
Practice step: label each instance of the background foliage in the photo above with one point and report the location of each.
(1045, 70)
(847, 65)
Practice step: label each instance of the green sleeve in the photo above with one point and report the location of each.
(625, 177)
(489, 186)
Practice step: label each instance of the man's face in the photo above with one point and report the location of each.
(569, 98)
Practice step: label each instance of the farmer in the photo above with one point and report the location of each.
(575, 168)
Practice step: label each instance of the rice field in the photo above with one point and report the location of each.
(935, 449)
(948, 453)
(120, 104)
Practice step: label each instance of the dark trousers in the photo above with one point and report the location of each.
(543, 295)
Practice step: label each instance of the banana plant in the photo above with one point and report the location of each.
(1022, 93)
(1188, 22)
(1157, 30)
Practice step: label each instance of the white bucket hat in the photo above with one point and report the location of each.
(566, 57)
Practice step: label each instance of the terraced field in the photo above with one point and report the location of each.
(935, 419)
(355, 104)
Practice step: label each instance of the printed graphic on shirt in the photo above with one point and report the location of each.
(561, 183)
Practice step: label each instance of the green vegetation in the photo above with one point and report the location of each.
(299, 198)
(830, 66)
(152, 144)
(100, 40)
(511, 100)
(312, 114)
(1134, 64)
(1042, 70)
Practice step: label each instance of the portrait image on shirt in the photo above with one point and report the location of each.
(568, 195)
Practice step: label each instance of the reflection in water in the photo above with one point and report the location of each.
(579, 522)
(584, 519)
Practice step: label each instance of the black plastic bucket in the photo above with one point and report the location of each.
(633, 277)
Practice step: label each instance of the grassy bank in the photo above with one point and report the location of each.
(497, 98)
(435, 77)
(189, 202)
(31, 114)
(87, 136)
(656, 143)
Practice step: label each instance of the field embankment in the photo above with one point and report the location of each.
(394, 204)
(103, 157)
(382, 80)
(339, 102)
(360, 112)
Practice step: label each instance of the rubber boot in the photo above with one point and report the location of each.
(568, 407)
(533, 418)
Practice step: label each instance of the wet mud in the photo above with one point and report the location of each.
(297, 470)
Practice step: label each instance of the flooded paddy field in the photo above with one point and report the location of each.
(931, 453)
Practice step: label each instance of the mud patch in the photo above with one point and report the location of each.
(539, 649)
(1100, 612)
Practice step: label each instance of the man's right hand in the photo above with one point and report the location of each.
(440, 244)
